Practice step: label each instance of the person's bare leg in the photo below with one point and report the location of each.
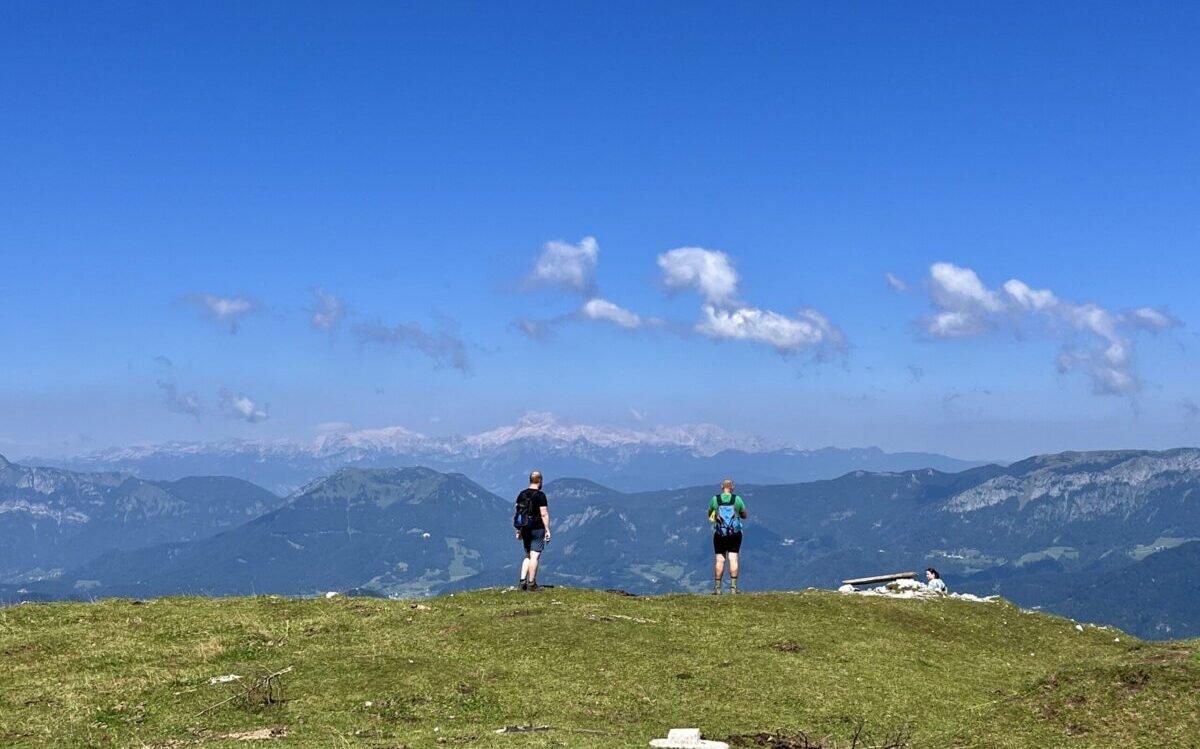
(525, 568)
(733, 571)
(533, 565)
(718, 571)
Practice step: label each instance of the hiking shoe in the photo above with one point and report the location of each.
(523, 586)
(533, 587)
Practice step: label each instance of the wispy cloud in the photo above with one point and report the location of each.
(568, 266)
(895, 283)
(242, 407)
(226, 311)
(175, 400)
(602, 309)
(444, 347)
(1191, 411)
(180, 402)
(1096, 341)
(328, 311)
(536, 330)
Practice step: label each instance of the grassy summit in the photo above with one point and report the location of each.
(601, 670)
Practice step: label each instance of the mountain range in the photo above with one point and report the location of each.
(1108, 536)
(625, 459)
(52, 519)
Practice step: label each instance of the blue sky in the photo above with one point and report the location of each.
(162, 161)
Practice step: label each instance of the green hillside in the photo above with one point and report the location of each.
(600, 669)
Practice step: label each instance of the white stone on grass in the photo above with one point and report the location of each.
(224, 679)
(686, 738)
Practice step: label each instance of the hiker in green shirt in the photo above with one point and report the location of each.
(726, 511)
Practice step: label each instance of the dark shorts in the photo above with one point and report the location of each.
(534, 539)
(731, 544)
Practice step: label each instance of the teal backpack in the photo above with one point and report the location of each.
(728, 522)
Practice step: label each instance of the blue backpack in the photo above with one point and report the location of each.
(728, 522)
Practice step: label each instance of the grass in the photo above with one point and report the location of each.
(601, 670)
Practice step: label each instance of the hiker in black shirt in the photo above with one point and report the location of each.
(532, 523)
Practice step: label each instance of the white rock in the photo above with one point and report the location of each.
(846, 589)
(686, 738)
(224, 679)
(331, 594)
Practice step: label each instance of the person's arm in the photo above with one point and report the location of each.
(712, 509)
(741, 509)
(546, 520)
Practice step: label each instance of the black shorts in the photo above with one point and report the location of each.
(534, 539)
(731, 544)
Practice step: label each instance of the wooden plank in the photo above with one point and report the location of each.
(881, 578)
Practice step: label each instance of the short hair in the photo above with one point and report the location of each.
(727, 483)
(535, 477)
(933, 572)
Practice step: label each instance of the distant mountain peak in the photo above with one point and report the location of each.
(537, 427)
(574, 488)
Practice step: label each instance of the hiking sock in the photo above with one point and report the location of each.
(717, 587)
(733, 585)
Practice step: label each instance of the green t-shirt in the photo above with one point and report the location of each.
(738, 505)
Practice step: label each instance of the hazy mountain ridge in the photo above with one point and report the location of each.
(51, 518)
(498, 459)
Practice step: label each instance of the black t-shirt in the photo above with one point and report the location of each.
(539, 501)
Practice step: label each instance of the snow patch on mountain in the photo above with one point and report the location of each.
(543, 430)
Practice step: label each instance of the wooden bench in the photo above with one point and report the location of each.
(881, 579)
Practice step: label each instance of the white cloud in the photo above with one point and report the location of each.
(708, 271)
(712, 273)
(1027, 298)
(224, 310)
(602, 309)
(242, 407)
(785, 334)
(570, 266)
(1096, 341)
(445, 347)
(329, 311)
(895, 283)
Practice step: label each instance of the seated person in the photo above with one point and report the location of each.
(935, 581)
